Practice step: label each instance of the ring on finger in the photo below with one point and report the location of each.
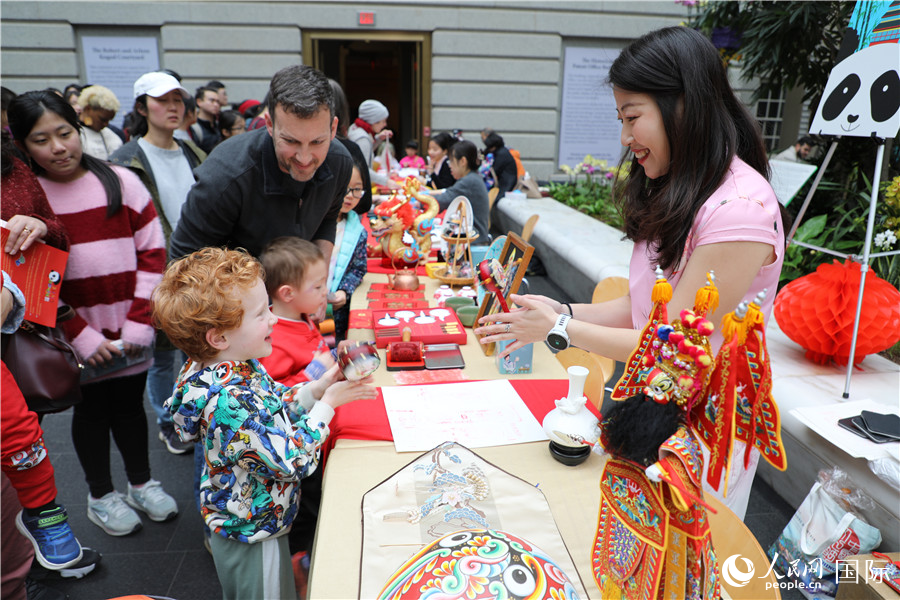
(508, 327)
(27, 230)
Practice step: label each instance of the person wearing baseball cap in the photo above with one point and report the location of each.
(156, 84)
(371, 123)
(165, 165)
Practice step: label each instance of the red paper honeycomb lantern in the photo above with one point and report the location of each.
(817, 310)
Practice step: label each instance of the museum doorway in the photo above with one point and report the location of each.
(393, 68)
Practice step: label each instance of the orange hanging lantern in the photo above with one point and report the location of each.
(817, 311)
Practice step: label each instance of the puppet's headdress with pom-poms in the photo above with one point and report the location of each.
(723, 398)
(672, 360)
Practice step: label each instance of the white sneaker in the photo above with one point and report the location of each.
(153, 500)
(112, 515)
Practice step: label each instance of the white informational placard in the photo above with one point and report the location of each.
(788, 177)
(475, 414)
(588, 122)
(116, 63)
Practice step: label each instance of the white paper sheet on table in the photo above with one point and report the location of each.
(475, 414)
(823, 420)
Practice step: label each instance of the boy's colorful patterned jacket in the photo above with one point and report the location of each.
(259, 438)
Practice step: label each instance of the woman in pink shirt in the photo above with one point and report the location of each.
(696, 199)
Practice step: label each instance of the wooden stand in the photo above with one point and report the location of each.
(461, 254)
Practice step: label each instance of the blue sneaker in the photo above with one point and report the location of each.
(55, 546)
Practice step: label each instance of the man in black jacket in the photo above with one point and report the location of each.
(205, 130)
(288, 179)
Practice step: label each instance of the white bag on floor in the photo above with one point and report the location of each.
(821, 533)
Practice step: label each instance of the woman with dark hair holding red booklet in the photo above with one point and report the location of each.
(116, 258)
(26, 466)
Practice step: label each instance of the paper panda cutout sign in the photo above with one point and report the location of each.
(862, 96)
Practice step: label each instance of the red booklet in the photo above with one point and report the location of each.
(38, 272)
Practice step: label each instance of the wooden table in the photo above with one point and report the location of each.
(354, 467)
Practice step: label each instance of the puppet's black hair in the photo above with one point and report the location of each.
(636, 428)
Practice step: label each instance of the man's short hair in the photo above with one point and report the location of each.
(286, 260)
(202, 90)
(215, 84)
(300, 90)
(203, 291)
(806, 140)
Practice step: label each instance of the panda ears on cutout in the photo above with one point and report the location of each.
(849, 44)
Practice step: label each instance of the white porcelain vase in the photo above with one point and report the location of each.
(571, 423)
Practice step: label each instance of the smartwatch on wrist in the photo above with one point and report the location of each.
(558, 339)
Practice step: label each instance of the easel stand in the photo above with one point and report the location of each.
(866, 255)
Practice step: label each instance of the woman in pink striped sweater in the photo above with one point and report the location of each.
(116, 258)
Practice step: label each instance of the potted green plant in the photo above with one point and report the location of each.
(589, 189)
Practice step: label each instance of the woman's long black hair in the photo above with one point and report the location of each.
(138, 126)
(706, 126)
(25, 110)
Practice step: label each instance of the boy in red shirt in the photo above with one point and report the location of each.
(296, 281)
(297, 284)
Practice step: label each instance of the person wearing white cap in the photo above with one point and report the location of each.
(371, 124)
(165, 165)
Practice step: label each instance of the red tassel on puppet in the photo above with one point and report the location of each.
(755, 373)
(739, 402)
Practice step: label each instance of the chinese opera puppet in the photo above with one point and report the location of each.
(653, 538)
(409, 211)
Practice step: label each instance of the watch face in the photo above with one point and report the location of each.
(557, 342)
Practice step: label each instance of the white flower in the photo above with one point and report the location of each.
(885, 239)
